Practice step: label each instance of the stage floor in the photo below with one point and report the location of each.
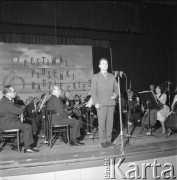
(61, 153)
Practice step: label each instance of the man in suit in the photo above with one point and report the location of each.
(104, 90)
(9, 114)
(60, 117)
(31, 115)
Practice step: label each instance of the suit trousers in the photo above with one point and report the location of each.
(74, 127)
(105, 120)
(33, 122)
(26, 135)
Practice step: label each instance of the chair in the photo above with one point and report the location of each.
(11, 133)
(54, 130)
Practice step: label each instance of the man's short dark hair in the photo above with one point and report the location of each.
(102, 59)
(7, 89)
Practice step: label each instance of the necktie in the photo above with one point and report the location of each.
(105, 75)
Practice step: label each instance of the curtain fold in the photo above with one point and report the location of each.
(52, 40)
(108, 16)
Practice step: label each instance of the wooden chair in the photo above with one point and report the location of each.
(7, 134)
(54, 131)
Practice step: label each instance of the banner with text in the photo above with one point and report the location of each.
(32, 69)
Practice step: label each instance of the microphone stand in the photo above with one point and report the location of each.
(117, 74)
(169, 96)
(128, 135)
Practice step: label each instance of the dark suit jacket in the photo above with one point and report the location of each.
(57, 105)
(9, 112)
(102, 89)
(29, 108)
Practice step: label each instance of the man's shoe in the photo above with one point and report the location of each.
(74, 143)
(13, 147)
(104, 145)
(80, 143)
(31, 150)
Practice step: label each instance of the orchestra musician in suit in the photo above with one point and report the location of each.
(78, 113)
(31, 114)
(9, 119)
(104, 90)
(69, 105)
(18, 101)
(60, 116)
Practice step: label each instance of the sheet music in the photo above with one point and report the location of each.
(152, 94)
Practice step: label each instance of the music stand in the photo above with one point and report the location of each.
(148, 100)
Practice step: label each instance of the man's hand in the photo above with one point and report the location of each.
(97, 106)
(113, 97)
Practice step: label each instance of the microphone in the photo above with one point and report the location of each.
(120, 73)
(168, 82)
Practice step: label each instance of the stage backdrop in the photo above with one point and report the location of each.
(32, 69)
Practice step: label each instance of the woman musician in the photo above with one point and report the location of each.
(164, 111)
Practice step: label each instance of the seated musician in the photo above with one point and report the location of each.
(67, 102)
(152, 88)
(164, 111)
(133, 107)
(89, 115)
(18, 101)
(31, 114)
(60, 117)
(82, 98)
(9, 113)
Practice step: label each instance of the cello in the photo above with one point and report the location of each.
(171, 120)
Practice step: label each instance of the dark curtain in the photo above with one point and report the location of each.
(95, 15)
(142, 40)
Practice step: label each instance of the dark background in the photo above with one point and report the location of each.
(142, 35)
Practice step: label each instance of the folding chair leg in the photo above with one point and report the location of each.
(68, 136)
(18, 141)
(51, 138)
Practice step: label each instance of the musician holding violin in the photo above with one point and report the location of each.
(78, 114)
(67, 102)
(164, 111)
(9, 114)
(31, 114)
(60, 116)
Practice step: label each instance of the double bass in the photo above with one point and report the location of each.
(171, 120)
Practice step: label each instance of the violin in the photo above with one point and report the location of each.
(78, 107)
(22, 116)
